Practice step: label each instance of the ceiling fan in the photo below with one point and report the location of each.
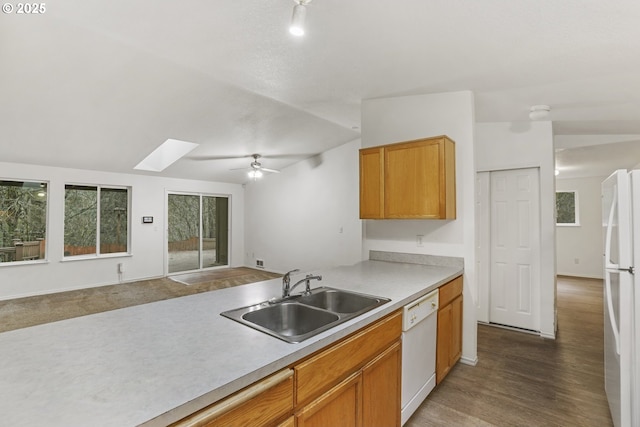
(256, 169)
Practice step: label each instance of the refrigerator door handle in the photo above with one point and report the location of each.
(607, 253)
(607, 244)
(612, 318)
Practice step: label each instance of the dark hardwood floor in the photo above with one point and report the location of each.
(525, 380)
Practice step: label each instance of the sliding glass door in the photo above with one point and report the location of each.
(198, 232)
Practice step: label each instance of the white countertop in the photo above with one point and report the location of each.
(155, 363)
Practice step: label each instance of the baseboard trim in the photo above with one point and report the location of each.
(469, 361)
(547, 336)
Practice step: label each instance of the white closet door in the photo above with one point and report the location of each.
(515, 248)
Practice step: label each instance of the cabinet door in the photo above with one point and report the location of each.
(371, 183)
(449, 344)
(456, 331)
(412, 180)
(340, 406)
(443, 347)
(289, 422)
(381, 384)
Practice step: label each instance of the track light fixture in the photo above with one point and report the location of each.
(297, 19)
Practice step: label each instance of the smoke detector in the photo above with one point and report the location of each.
(539, 112)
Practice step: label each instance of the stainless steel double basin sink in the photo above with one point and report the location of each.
(296, 318)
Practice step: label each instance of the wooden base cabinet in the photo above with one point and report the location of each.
(261, 404)
(353, 383)
(367, 370)
(449, 341)
(409, 180)
(381, 380)
(340, 406)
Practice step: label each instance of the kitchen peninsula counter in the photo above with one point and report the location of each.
(156, 363)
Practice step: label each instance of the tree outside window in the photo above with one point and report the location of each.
(567, 208)
(23, 220)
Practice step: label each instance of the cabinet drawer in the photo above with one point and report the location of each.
(449, 291)
(326, 368)
(260, 404)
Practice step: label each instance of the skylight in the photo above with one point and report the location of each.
(167, 153)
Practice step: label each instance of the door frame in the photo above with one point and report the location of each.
(483, 246)
(166, 230)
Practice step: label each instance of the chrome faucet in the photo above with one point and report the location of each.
(308, 280)
(286, 281)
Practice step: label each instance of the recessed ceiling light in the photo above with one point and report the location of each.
(166, 154)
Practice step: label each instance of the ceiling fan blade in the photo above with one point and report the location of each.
(241, 169)
(199, 158)
(288, 156)
(270, 170)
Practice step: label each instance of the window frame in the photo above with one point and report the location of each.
(576, 209)
(39, 182)
(98, 254)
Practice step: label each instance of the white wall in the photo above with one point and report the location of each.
(307, 216)
(147, 240)
(579, 249)
(406, 118)
(501, 146)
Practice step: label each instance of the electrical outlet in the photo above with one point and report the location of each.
(419, 238)
(260, 263)
(120, 268)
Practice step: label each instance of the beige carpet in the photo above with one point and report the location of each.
(30, 311)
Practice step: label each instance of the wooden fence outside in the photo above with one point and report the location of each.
(191, 244)
(105, 248)
(109, 248)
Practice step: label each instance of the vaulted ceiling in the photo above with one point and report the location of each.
(100, 84)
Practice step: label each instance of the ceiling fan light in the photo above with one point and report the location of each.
(297, 20)
(255, 174)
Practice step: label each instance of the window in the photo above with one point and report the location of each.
(23, 220)
(96, 220)
(567, 208)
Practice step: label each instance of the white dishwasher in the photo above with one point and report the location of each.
(419, 326)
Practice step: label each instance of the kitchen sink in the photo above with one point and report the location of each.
(298, 317)
(290, 319)
(339, 301)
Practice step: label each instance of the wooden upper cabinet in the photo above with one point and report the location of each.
(409, 180)
(371, 174)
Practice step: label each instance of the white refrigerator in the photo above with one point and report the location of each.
(621, 223)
